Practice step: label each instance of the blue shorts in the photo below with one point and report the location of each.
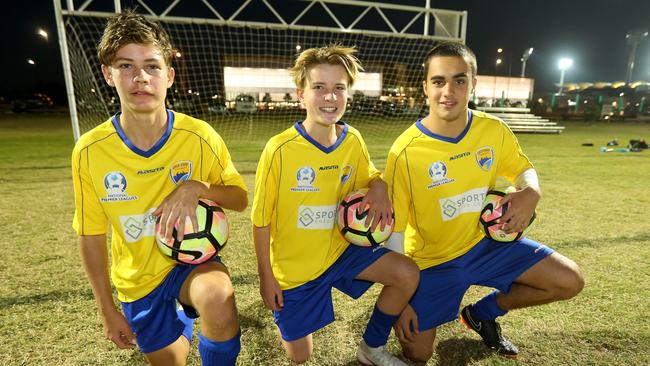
(308, 307)
(157, 319)
(488, 263)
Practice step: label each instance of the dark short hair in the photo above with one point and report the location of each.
(129, 27)
(450, 49)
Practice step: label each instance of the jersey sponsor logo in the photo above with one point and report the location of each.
(316, 217)
(135, 227)
(438, 174)
(148, 171)
(115, 184)
(485, 158)
(346, 173)
(305, 177)
(329, 167)
(458, 156)
(469, 201)
(180, 171)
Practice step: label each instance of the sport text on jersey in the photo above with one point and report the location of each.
(468, 201)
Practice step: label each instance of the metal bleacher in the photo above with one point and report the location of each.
(520, 120)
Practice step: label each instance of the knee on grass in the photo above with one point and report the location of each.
(421, 355)
(299, 356)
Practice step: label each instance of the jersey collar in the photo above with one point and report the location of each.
(327, 150)
(155, 148)
(453, 140)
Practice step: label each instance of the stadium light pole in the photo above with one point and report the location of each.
(564, 64)
(633, 38)
(524, 58)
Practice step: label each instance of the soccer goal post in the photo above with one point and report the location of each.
(232, 60)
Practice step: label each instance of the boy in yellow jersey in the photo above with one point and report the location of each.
(147, 163)
(438, 172)
(301, 177)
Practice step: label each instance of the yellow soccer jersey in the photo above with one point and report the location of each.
(298, 186)
(437, 184)
(116, 183)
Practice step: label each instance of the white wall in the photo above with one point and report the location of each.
(513, 88)
(277, 82)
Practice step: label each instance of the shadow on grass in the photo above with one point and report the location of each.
(46, 297)
(617, 341)
(253, 321)
(590, 243)
(461, 351)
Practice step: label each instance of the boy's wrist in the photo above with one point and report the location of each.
(378, 183)
(198, 188)
(265, 270)
(107, 310)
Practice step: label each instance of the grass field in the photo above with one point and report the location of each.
(594, 210)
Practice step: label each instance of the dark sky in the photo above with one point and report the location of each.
(592, 32)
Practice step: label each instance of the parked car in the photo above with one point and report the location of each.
(185, 104)
(362, 105)
(388, 108)
(245, 103)
(218, 106)
(32, 103)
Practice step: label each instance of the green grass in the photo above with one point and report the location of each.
(594, 211)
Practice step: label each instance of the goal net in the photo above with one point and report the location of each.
(234, 74)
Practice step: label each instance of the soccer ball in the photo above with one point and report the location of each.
(200, 246)
(489, 216)
(352, 224)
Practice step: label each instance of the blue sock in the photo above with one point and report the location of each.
(487, 308)
(214, 353)
(379, 327)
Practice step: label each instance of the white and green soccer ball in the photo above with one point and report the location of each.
(352, 224)
(198, 246)
(491, 212)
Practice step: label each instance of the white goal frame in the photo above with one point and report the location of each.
(439, 24)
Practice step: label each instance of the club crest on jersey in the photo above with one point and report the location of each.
(305, 177)
(438, 174)
(346, 173)
(116, 184)
(485, 158)
(180, 171)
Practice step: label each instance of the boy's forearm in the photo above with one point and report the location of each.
(94, 256)
(262, 240)
(378, 182)
(229, 197)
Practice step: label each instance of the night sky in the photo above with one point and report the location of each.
(592, 32)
